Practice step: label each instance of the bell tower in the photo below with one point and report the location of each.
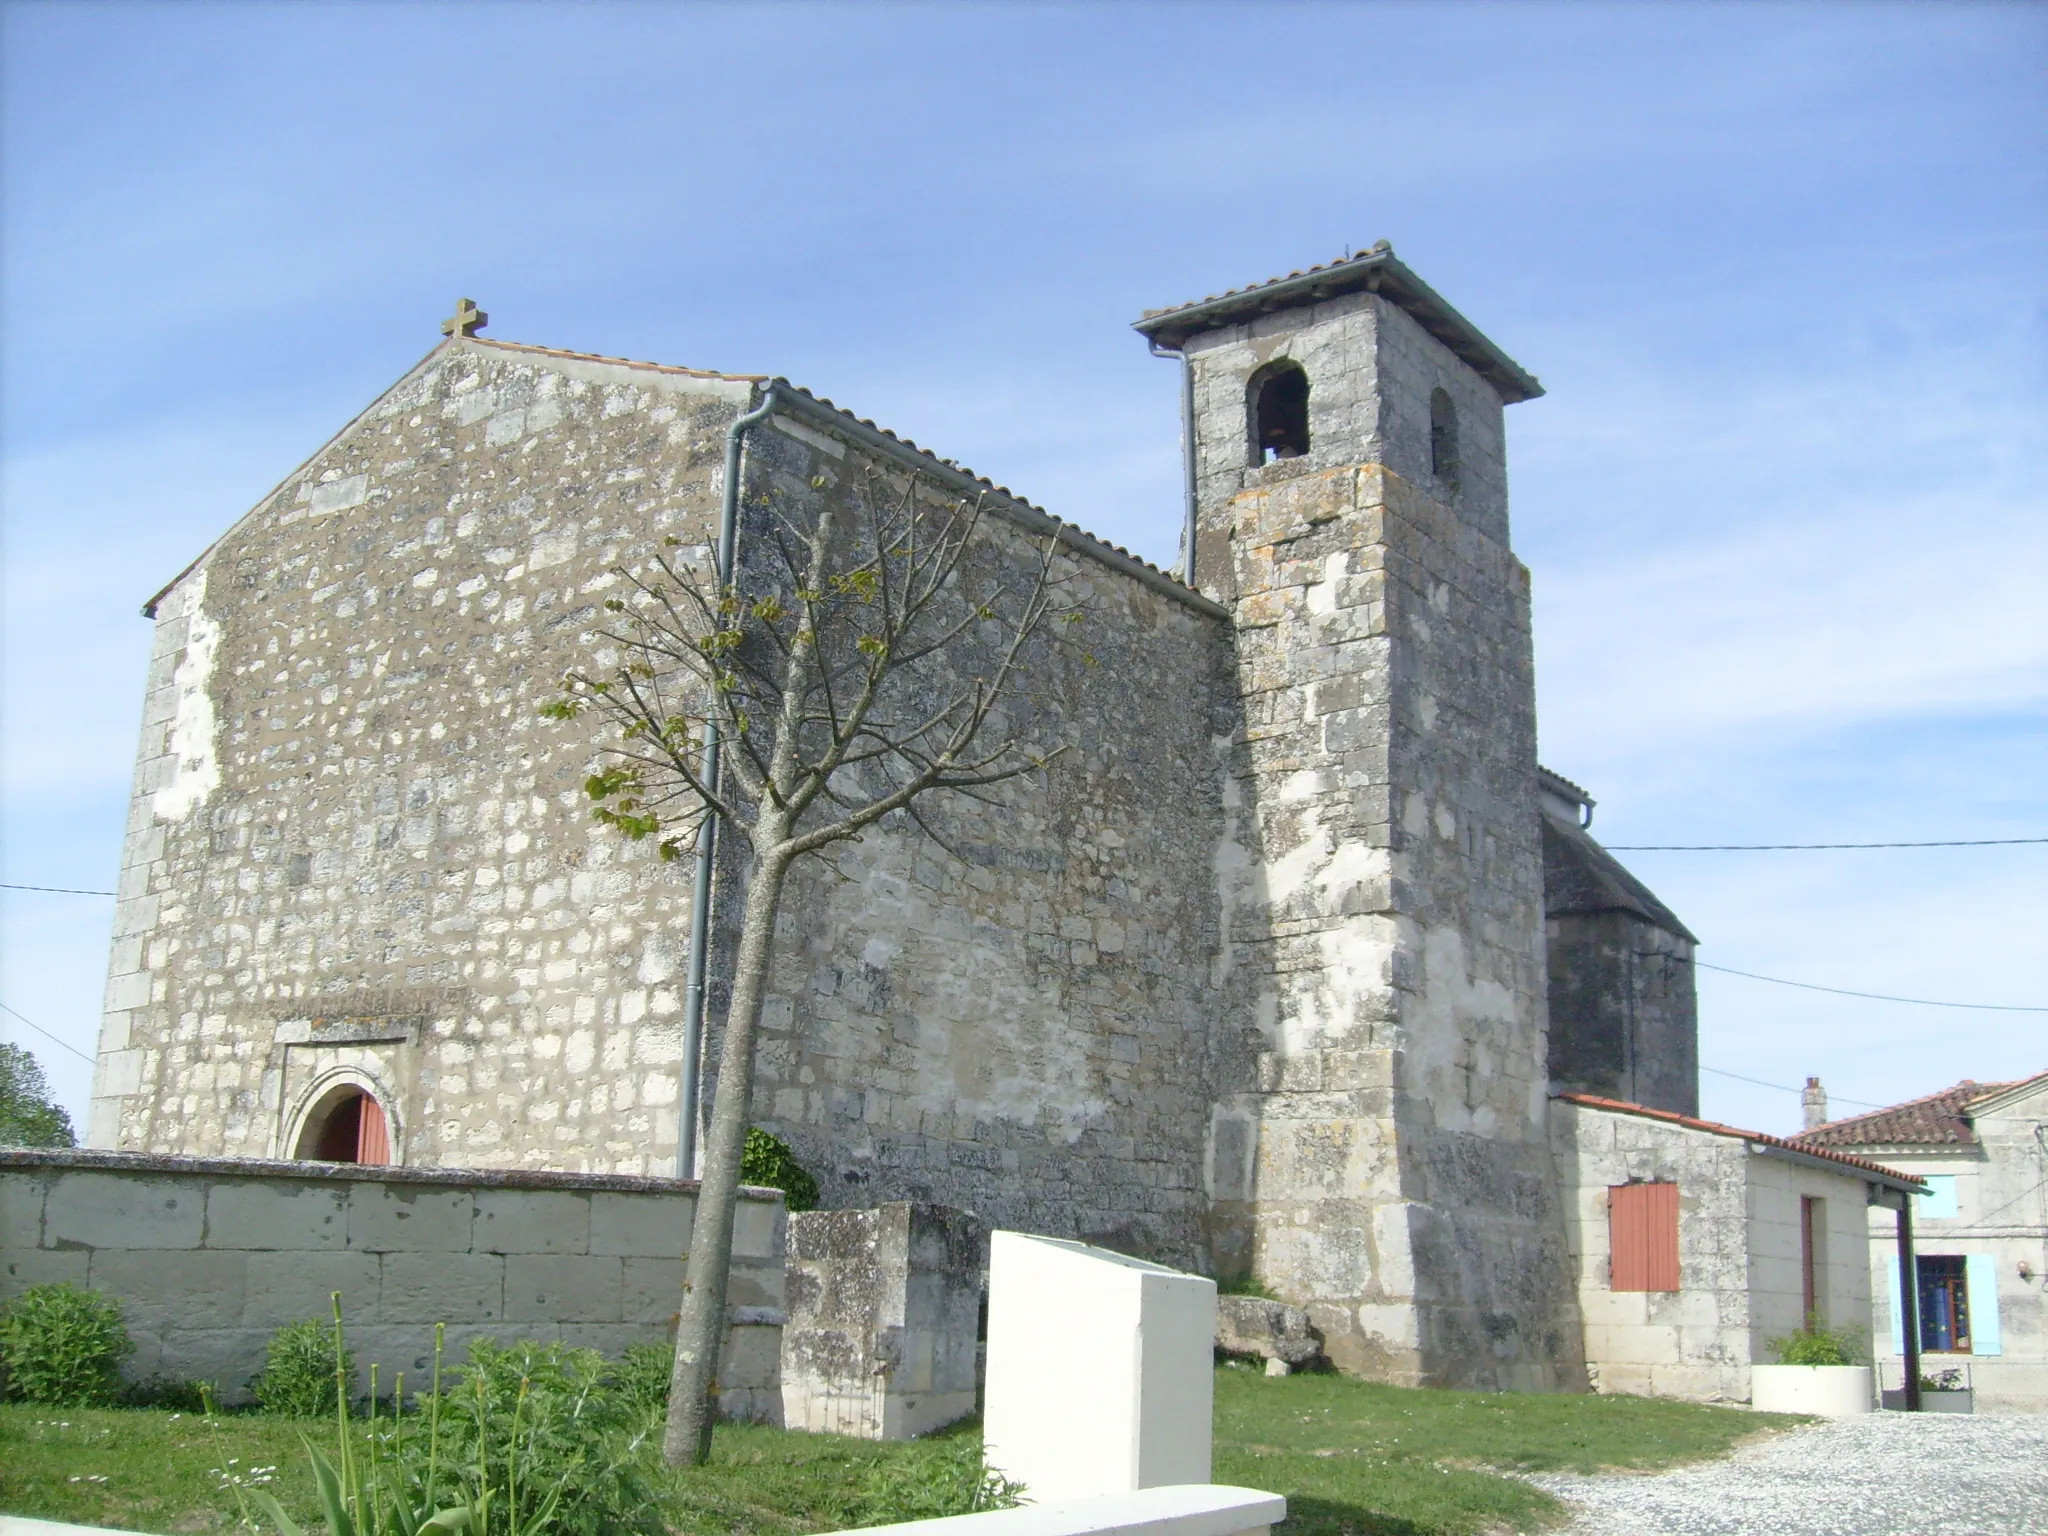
(1377, 1148)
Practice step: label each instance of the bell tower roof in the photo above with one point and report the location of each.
(1373, 271)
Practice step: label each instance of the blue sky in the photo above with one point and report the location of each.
(1783, 269)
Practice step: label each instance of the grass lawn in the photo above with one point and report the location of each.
(1353, 1460)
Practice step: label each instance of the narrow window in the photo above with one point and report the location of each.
(1277, 405)
(1642, 1237)
(350, 1128)
(1443, 439)
(1944, 1304)
(1813, 1260)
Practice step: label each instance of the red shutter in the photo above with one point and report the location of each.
(1642, 1237)
(373, 1134)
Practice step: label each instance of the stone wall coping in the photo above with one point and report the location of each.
(1178, 1509)
(23, 1525)
(107, 1161)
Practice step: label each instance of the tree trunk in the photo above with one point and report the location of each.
(701, 1329)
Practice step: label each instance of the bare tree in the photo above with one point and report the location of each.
(873, 650)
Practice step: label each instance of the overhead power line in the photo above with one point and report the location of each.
(54, 890)
(32, 1024)
(1878, 997)
(1972, 842)
(1833, 1097)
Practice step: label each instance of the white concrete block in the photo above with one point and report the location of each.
(1170, 1511)
(1099, 1370)
(1835, 1391)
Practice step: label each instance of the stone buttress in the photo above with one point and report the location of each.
(1377, 1146)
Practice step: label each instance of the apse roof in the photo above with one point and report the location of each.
(1579, 876)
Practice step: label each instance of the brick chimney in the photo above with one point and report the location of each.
(1815, 1103)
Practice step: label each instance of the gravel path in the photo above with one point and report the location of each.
(1880, 1474)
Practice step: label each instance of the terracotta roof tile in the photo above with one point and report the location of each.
(1935, 1121)
(1693, 1123)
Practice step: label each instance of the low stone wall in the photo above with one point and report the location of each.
(209, 1256)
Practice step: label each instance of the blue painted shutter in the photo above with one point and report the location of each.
(1939, 1203)
(1981, 1270)
(1891, 1278)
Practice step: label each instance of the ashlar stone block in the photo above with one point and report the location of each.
(173, 1291)
(271, 1214)
(531, 1221)
(1099, 1369)
(562, 1288)
(403, 1218)
(636, 1227)
(21, 1214)
(289, 1287)
(442, 1288)
(107, 1210)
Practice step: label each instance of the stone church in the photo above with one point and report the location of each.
(1273, 973)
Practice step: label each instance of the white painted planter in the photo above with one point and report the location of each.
(1834, 1391)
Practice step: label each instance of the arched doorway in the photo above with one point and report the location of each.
(346, 1125)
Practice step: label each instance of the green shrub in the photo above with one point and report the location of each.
(532, 1440)
(530, 1425)
(302, 1373)
(642, 1375)
(769, 1163)
(930, 1479)
(63, 1346)
(1815, 1345)
(1245, 1285)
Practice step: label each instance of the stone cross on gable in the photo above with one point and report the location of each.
(466, 321)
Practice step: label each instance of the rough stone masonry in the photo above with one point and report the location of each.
(1251, 980)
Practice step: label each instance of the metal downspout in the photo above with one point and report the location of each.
(707, 834)
(1187, 455)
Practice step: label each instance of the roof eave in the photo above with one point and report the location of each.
(1870, 1173)
(1755, 1140)
(1033, 520)
(1374, 272)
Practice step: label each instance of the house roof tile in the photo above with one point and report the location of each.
(1762, 1138)
(1938, 1120)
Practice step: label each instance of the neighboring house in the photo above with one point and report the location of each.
(1695, 1244)
(1980, 1234)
